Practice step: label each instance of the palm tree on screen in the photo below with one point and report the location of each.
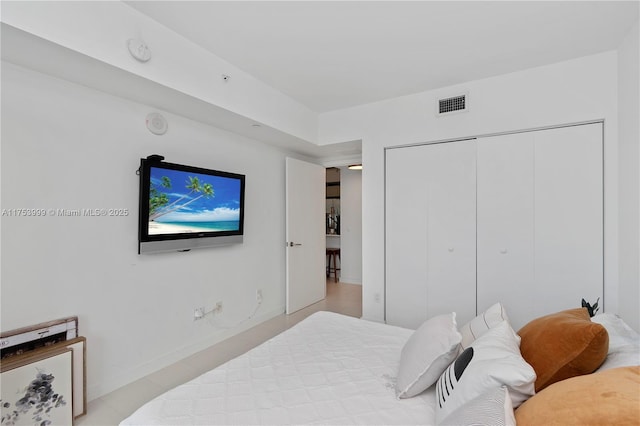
(193, 185)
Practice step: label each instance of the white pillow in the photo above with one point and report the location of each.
(620, 333)
(429, 350)
(624, 342)
(482, 323)
(492, 361)
(491, 408)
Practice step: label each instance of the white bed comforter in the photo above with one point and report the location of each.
(328, 369)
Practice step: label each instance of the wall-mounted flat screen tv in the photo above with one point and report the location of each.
(184, 207)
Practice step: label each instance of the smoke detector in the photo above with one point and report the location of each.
(157, 124)
(139, 49)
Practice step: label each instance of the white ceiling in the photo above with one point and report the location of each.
(331, 55)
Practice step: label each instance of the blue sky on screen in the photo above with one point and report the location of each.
(223, 206)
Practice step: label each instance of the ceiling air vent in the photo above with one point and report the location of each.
(452, 104)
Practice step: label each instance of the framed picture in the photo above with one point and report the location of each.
(37, 388)
(78, 345)
(22, 340)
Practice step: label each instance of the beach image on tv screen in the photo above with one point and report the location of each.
(182, 202)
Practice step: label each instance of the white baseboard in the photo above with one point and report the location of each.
(350, 280)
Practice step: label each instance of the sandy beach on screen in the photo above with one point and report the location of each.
(171, 228)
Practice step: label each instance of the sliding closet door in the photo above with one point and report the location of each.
(505, 184)
(540, 220)
(569, 215)
(405, 236)
(430, 232)
(451, 231)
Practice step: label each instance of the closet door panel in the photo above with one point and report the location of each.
(406, 236)
(569, 216)
(505, 219)
(430, 232)
(540, 221)
(451, 230)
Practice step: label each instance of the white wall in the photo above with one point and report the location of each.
(100, 30)
(351, 225)
(66, 146)
(629, 113)
(568, 92)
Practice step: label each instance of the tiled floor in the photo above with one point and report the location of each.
(114, 407)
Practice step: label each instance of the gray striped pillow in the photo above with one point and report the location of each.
(490, 408)
(482, 323)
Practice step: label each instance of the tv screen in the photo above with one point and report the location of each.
(184, 207)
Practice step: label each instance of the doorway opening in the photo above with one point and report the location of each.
(343, 225)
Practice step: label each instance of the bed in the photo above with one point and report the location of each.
(335, 369)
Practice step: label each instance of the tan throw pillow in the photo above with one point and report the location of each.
(563, 345)
(610, 397)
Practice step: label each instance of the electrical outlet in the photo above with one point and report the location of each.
(259, 296)
(218, 308)
(376, 297)
(198, 313)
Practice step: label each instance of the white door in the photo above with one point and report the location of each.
(506, 206)
(430, 233)
(305, 229)
(540, 218)
(451, 244)
(569, 215)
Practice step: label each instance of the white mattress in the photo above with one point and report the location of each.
(328, 369)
